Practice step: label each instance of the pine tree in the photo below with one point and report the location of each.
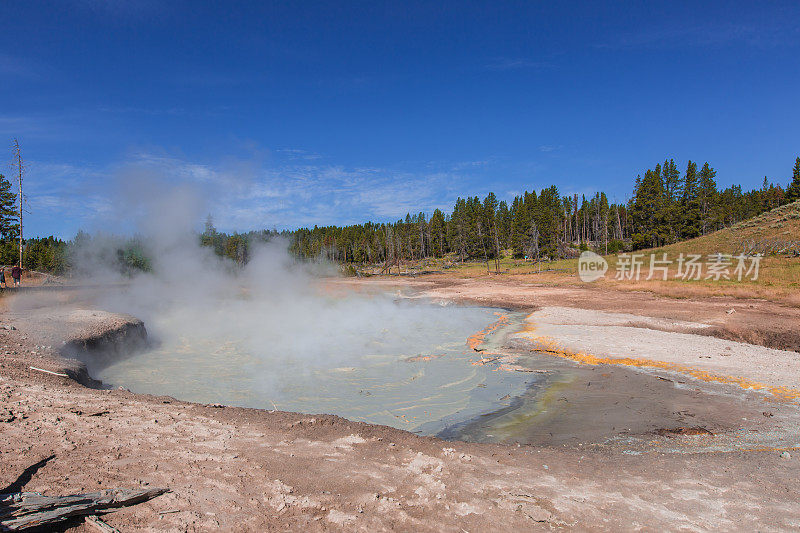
(9, 223)
(518, 227)
(793, 191)
(504, 223)
(437, 229)
(690, 203)
(604, 220)
(457, 229)
(648, 211)
(548, 221)
(490, 210)
(671, 178)
(673, 188)
(707, 196)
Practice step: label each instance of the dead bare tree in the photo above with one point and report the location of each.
(20, 169)
(496, 248)
(577, 227)
(533, 243)
(483, 244)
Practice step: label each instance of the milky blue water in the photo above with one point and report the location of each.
(405, 364)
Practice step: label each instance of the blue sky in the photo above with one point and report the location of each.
(284, 114)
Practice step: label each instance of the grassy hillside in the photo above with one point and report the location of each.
(779, 273)
(775, 234)
(774, 227)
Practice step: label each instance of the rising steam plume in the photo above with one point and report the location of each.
(274, 331)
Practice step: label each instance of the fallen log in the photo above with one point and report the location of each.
(23, 510)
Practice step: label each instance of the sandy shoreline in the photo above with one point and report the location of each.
(246, 469)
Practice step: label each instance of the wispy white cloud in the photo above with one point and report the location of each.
(62, 197)
(266, 189)
(463, 165)
(295, 195)
(241, 197)
(295, 154)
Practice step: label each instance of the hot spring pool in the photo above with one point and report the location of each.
(384, 361)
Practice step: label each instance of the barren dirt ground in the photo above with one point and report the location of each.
(236, 469)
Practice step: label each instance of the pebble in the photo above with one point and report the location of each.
(785, 455)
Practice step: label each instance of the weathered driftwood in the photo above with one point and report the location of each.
(22, 510)
(99, 525)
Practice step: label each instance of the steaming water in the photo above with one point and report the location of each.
(399, 363)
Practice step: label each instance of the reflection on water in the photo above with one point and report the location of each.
(416, 376)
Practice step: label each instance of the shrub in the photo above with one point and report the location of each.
(615, 246)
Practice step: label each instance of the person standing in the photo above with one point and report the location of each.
(3, 278)
(16, 273)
